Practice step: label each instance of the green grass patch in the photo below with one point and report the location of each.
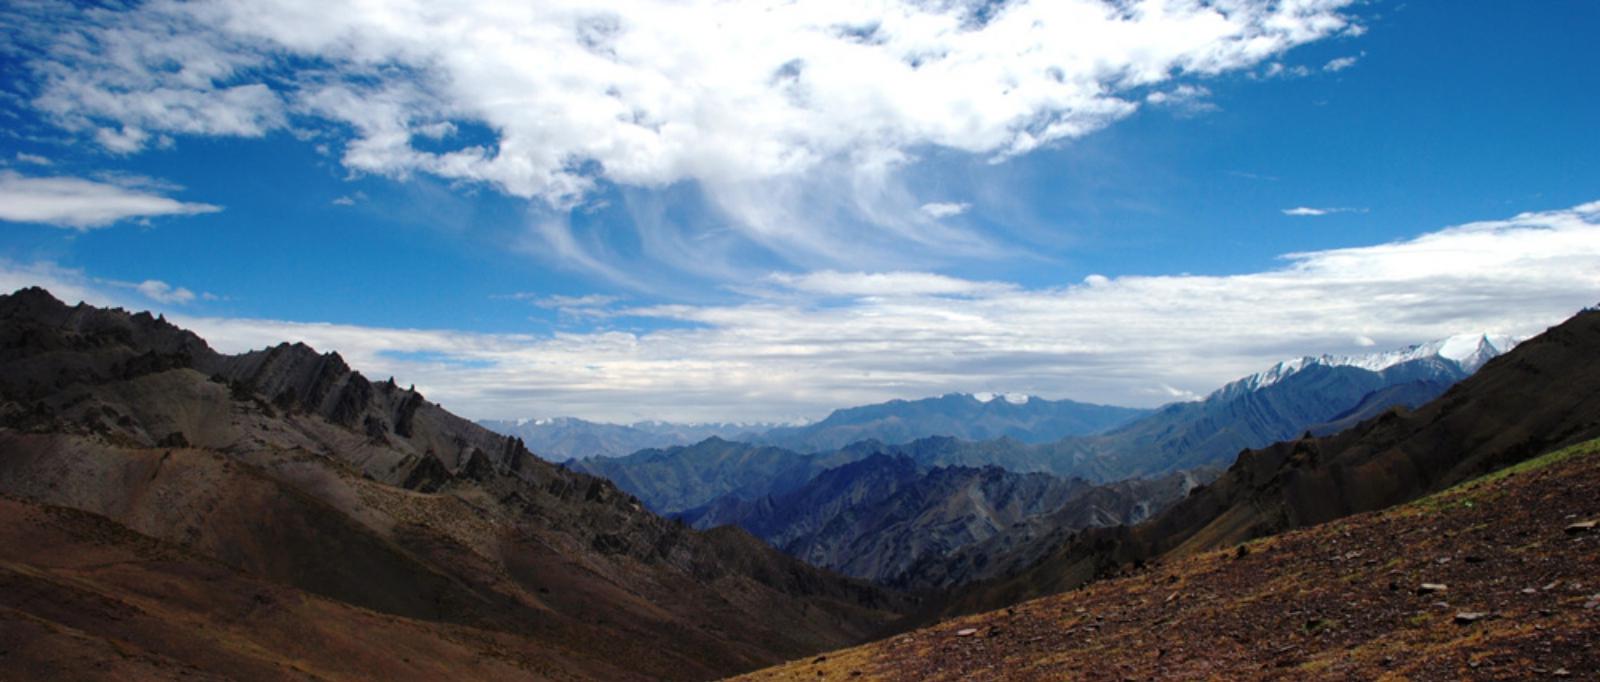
(1459, 497)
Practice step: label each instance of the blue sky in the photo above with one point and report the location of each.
(622, 210)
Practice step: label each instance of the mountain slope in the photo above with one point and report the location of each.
(955, 415)
(1543, 395)
(288, 468)
(1341, 601)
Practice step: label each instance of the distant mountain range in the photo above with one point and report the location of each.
(1542, 396)
(562, 438)
(876, 518)
(967, 416)
(1316, 394)
(958, 415)
(940, 512)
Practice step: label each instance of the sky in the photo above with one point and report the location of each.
(762, 211)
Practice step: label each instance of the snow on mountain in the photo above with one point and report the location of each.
(1013, 398)
(1467, 351)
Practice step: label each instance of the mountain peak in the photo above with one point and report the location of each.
(1466, 351)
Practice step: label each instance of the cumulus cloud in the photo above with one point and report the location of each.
(161, 292)
(1310, 212)
(1185, 98)
(818, 341)
(944, 209)
(83, 204)
(1339, 64)
(563, 97)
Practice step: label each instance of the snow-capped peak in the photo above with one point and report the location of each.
(1013, 398)
(1467, 351)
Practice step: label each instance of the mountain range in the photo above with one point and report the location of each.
(1451, 541)
(276, 514)
(1317, 394)
(877, 518)
(1543, 396)
(562, 438)
(168, 510)
(968, 416)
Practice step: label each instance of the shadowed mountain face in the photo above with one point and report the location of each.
(1543, 395)
(283, 472)
(956, 415)
(879, 517)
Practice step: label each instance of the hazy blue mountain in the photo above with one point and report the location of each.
(674, 479)
(562, 438)
(959, 415)
(1307, 394)
(877, 518)
(1285, 401)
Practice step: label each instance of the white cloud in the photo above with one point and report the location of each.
(34, 159)
(825, 340)
(773, 108)
(944, 209)
(1281, 70)
(568, 302)
(1340, 64)
(885, 284)
(83, 204)
(1186, 98)
(1307, 211)
(161, 292)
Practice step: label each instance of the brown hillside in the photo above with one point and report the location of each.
(1515, 553)
(287, 467)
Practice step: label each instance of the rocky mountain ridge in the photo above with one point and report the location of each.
(287, 468)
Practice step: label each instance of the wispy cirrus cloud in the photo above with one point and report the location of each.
(84, 204)
(811, 342)
(794, 119)
(1312, 212)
